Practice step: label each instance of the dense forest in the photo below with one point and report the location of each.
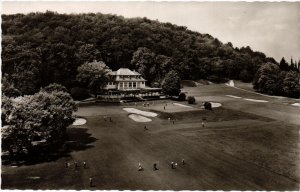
(43, 48)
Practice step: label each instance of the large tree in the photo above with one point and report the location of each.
(42, 117)
(291, 86)
(93, 75)
(144, 61)
(152, 66)
(267, 79)
(284, 65)
(171, 84)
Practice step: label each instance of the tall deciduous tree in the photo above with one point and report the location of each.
(266, 79)
(93, 75)
(143, 60)
(88, 53)
(171, 84)
(291, 86)
(40, 117)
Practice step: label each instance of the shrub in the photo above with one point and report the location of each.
(207, 106)
(191, 99)
(79, 93)
(55, 87)
(182, 97)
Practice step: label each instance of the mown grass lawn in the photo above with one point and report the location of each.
(237, 149)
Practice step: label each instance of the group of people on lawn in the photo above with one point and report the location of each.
(173, 165)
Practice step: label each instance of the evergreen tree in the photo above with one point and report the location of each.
(292, 66)
(283, 65)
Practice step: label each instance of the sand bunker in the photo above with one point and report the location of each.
(255, 100)
(233, 96)
(296, 104)
(139, 118)
(230, 83)
(79, 121)
(140, 112)
(181, 105)
(214, 105)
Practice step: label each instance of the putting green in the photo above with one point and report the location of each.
(79, 121)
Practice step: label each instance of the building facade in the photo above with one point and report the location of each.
(125, 79)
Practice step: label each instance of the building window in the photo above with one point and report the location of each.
(121, 85)
(130, 85)
(134, 84)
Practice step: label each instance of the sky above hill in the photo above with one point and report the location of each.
(269, 27)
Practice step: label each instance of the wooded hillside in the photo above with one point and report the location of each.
(43, 48)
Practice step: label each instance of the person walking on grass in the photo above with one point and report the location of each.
(164, 107)
(183, 162)
(203, 124)
(110, 120)
(145, 128)
(91, 182)
(76, 164)
(140, 167)
(155, 167)
(169, 119)
(172, 165)
(84, 165)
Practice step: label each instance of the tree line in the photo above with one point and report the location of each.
(43, 48)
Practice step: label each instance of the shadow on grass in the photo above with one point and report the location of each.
(77, 139)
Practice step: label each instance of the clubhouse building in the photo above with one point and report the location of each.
(125, 79)
(126, 82)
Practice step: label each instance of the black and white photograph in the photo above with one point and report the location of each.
(150, 95)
